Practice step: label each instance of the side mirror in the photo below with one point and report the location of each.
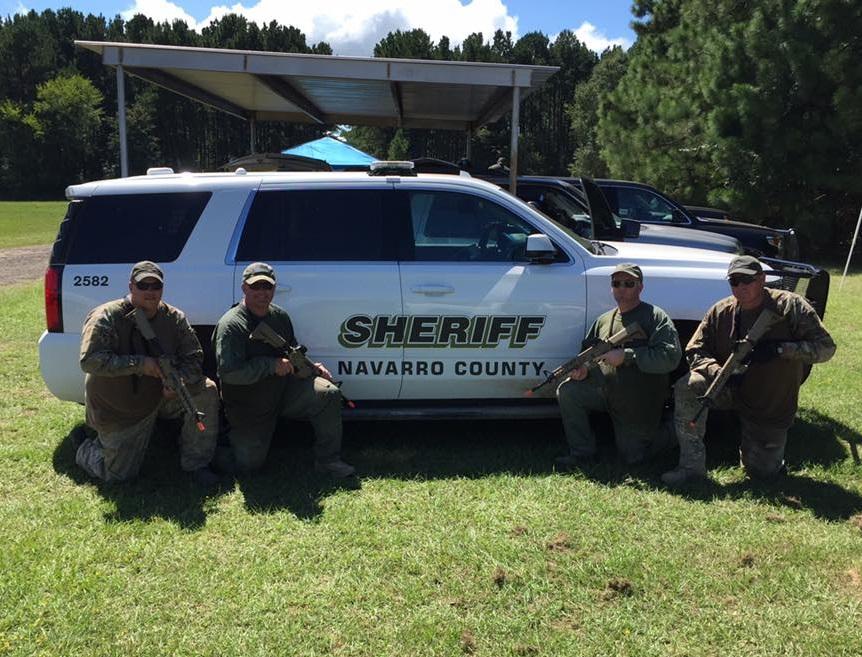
(631, 229)
(539, 249)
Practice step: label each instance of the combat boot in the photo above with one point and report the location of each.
(692, 463)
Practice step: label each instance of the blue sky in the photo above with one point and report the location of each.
(352, 27)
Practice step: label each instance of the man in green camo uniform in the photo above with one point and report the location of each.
(767, 392)
(630, 383)
(125, 393)
(258, 384)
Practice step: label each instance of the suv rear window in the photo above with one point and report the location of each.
(131, 227)
(326, 225)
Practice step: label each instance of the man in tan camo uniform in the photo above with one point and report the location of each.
(767, 392)
(125, 392)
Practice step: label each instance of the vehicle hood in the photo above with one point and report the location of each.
(663, 255)
(671, 235)
(739, 225)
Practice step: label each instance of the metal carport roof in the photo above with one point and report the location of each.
(327, 89)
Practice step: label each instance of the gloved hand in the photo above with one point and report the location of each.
(765, 351)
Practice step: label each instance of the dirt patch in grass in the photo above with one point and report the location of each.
(499, 577)
(856, 521)
(774, 517)
(518, 530)
(618, 588)
(468, 642)
(23, 263)
(746, 560)
(561, 542)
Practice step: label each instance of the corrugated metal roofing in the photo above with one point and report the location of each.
(329, 89)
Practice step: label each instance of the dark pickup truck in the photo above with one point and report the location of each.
(591, 217)
(644, 203)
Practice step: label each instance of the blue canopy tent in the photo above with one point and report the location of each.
(338, 154)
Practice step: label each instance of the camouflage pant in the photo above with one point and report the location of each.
(117, 455)
(635, 438)
(314, 399)
(761, 448)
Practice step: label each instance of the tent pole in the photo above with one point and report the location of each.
(121, 121)
(852, 246)
(513, 148)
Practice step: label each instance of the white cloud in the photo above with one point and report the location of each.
(589, 35)
(21, 10)
(352, 27)
(160, 11)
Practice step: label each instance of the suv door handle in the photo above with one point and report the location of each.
(432, 290)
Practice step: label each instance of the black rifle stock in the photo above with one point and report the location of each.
(172, 379)
(302, 365)
(590, 355)
(744, 347)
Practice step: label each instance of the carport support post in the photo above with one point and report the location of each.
(513, 148)
(121, 120)
(852, 246)
(252, 124)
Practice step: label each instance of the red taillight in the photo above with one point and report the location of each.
(53, 301)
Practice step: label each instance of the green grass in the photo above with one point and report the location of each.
(29, 223)
(461, 539)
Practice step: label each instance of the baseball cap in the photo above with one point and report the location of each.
(146, 269)
(258, 271)
(745, 264)
(629, 268)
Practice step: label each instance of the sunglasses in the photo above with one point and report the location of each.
(261, 285)
(143, 287)
(628, 284)
(741, 279)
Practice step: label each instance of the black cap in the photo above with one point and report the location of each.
(745, 264)
(146, 269)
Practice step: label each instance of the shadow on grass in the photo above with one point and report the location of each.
(288, 480)
(811, 441)
(162, 490)
(442, 450)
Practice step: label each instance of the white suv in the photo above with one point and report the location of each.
(426, 295)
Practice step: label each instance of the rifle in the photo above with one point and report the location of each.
(303, 368)
(590, 355)
(737, 357)
(172, 379)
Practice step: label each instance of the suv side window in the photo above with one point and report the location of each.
(450, 226)
(130, 227)
(643, 205)
(324, 224)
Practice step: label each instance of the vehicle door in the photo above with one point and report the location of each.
(481, 321)
(563, 209)
(333, 251)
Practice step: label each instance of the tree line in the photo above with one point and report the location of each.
(753, 106)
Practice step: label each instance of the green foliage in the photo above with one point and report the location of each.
(753, 106)
(585, 109)
(399, 147)
(68, 111)
(163, 128)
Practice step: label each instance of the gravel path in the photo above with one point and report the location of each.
(23, 263)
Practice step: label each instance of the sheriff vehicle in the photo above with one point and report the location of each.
(426, 295)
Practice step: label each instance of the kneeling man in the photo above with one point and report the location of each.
(126, 387)
(765, 395)
(259, 384)
(630, 383)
